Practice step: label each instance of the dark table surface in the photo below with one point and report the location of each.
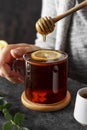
(58, 120)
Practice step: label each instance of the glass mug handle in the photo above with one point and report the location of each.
(18, 65)
(22, 66)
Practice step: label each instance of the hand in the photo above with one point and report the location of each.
(8, 55)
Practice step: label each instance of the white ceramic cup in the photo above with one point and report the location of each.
(80, 110)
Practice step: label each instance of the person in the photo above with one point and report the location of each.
(69, 35)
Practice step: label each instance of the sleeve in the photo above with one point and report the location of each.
(48, 9)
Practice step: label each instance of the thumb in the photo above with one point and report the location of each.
(19, 52)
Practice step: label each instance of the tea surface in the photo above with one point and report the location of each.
(84, 95)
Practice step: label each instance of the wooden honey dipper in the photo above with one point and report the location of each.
(46, 25)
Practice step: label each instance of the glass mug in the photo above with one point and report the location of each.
(45, 81)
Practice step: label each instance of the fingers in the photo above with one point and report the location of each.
(11, 75)
(15, 78)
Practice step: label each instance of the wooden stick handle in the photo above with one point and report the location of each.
(77, 7)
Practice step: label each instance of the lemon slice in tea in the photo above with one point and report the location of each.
(3, 43)
(44, 55)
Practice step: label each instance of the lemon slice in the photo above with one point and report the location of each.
(45, 55)
(3, 43)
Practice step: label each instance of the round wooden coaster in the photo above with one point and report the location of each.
(46, 107)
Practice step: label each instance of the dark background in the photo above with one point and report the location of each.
(17, 20)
